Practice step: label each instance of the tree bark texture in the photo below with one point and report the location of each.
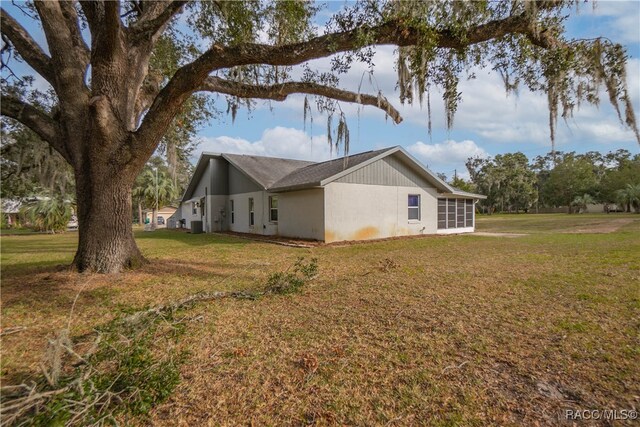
(106, 243)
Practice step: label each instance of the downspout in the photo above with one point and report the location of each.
(206, 217)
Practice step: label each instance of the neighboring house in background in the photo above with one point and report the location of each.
(11, 210)
(163, 215)
(376, 194)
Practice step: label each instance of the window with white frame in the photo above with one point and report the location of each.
(414, 207)
(251, 213)
(194, 208)
(233, 211)
(455, 213)
(273, 208)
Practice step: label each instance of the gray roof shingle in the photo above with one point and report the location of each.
(314, 173)
(265, 171)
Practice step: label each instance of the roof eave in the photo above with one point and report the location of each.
(306, 186)
(464, 194)
(192, 182)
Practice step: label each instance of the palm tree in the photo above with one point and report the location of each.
(629, 196)
(581, 202)
(153, 189)
(49, 214)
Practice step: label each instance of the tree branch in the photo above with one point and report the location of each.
(152, 23)
(92, 10)
(71, 17)
(280, 92)
(36, 120)
(394, 32)
(28, 49)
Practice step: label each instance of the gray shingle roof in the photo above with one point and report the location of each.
(265, 170)
(276, 174)
(313, 174)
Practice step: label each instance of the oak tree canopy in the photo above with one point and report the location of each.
(122, 73)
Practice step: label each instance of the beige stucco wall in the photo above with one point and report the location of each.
(301, 214)
(217, 213)
(362, 212)
(187, 212)
(241, 217)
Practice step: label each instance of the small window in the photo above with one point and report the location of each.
(251, 214)
(194, 208)
(273, 208)
(233, 212)
(414, 207)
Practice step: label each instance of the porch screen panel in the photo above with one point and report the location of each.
(442, 213)
(451, 213)
(469, 213)
(460, 213)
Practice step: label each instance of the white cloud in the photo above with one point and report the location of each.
(275, 142)
(623, 23)
(446, 154)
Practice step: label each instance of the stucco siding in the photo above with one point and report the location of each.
(239, 183)
(301, 214)
(218, 213)
(389, 171)
(187, 212)
(362, 211)
(241, 213)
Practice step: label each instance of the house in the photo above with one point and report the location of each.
(162, 216)
(376, 194)
(10, 211)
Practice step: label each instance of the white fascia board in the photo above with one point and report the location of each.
(463, 194)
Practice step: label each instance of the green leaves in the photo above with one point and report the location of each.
(50, 214)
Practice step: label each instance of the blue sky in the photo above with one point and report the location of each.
(488, 122)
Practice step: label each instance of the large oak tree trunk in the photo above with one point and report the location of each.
(106, 243)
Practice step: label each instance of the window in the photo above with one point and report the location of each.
(273, 208)
(414, 207)
(455, 213)
(233, 216)
(194, 208)
(251, 215)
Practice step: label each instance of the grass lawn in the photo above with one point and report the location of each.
(447, 330)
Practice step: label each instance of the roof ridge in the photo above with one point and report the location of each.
(357, 154)
(267, 157)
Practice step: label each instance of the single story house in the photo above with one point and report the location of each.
(370, 195)
(161, 217)
(10, 210)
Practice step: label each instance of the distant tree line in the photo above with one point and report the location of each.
(513, 183)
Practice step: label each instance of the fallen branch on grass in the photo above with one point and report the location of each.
(120, 372)
(162, 310)
(9, 331)
(454, 367)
